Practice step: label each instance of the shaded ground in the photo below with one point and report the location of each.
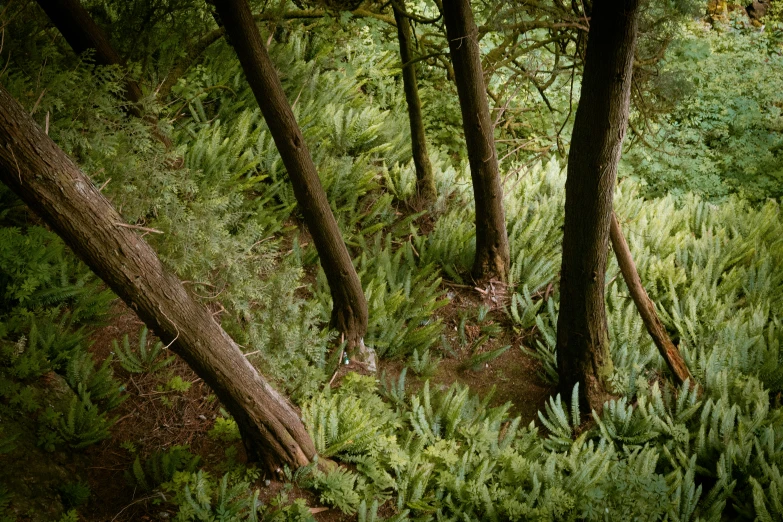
(154, 418)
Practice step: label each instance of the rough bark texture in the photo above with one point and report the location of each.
(599, 128)
(646, 307)
(82, 33)
(349, 312)
(47, 180)
(492, 254)
(425, 182)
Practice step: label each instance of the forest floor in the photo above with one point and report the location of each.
(154, 418)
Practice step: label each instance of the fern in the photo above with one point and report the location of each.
(202, 502)
(425, 365)
(478, 361)
(82, 424)
(147, 359)
(339, 488)
(93, 385)
(557, 421)
(161, 466)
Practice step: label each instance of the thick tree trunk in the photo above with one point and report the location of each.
(82, 33)
(53, 186)
(349, 312)
(646, 307)
(492, 254)
(425, 182)
(599, 128)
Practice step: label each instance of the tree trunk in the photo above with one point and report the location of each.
(47, 180)
(492, 254)
(82, 33)
(646, 307)
(425, 182)
(349, 312)
(599, 128)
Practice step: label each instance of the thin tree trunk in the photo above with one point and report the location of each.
(47, 180)
(492, 254)
(349, 312)
(425, 182)
(646, 307)
(599, 128)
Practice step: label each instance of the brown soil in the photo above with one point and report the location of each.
(152, 418)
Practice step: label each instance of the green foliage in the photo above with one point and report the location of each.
(655, 452)
(338, 488)
(545, 352)
(198, 497)
(402, 295)
(534, 206)
(724, 134)
(75, 494)
(480, 360)
(343, 423)
(81, 424)
(523, 309)
(48, 299)
(424, 365)
(147, 359)
(178, 384)
(203, 502)
(46, 295)
(559, 423)
(160, 467)
(36, 273)
(5, 502)
(70, 516)
(225, 430)
(91, 384)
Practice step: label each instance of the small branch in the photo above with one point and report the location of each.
(399, 6)
(423, 57)
(138, 227)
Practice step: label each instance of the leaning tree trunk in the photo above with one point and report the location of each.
(425, 182)
(82, 33)
(349, 311)
(54, 187)
(599, 128)
(670, 353)
(492, 254)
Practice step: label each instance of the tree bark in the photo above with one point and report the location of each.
(646, 307)
(596, 144)
(425, 182)
(349, 311)
(47, 180)
(492, 253)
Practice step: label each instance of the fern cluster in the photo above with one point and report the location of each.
(48, 296)
(146, 361)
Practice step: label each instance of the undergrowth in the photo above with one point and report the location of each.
(656, 452)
